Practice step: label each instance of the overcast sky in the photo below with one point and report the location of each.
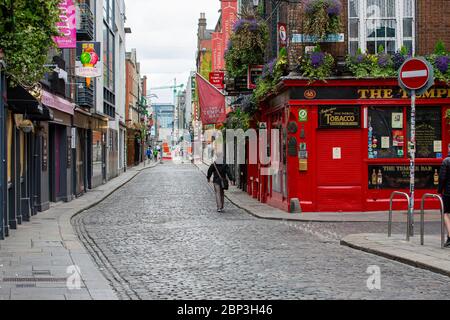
(165, 36)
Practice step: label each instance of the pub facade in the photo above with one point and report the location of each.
(344, 144)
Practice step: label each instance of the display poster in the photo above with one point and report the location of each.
(397, 177)
(428, 139)
(397, 120)
(385, 142)
(88, 62)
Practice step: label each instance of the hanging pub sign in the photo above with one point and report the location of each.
(282, 35)
(254, 73)
(88, 62)
(339, 117)
(217, 79)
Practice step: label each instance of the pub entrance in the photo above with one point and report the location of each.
(339, 170)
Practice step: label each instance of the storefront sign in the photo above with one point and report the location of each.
(67, 25)
(57, 103)
(397, 177)
(339, 117)
(88, 62)
(351, 93)
(305, 38)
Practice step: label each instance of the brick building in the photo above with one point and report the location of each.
(416, 24)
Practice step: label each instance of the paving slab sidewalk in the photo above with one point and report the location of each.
(34, 260)
(260, 210)
(430, 256)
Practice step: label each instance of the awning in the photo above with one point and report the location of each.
(21, 101)
(47, 115)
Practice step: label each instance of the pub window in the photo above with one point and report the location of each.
(386, 135)
(375, 23)
(428, 132)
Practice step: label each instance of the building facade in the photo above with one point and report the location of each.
(343, 144)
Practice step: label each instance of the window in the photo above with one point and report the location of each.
(428, 132)
(375, 23)
(389, 133)
(108, 12)
(108, 57)
(386, 134)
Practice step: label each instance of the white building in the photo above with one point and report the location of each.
(110, 88)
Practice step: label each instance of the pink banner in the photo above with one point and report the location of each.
(67, 25)
(212, 102)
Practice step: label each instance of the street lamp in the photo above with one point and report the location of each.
(255, 3)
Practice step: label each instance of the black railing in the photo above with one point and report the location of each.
(85, 96)
(85, 28)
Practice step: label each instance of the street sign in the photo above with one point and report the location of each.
(414, 74)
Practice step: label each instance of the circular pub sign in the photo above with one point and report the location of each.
(415, 74)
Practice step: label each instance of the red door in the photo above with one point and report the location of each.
(339, 170)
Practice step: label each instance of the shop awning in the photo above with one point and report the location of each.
(21, 101)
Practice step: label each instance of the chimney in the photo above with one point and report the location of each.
(202, 26)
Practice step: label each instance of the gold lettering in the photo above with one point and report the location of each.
(429, 94)
(376, 94)
(363, 93)
(388, 94)
(442, 92)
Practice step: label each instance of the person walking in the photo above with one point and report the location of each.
(221, 174)
(149, 154)
(444, 190)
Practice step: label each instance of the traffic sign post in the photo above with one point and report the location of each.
(415, 77)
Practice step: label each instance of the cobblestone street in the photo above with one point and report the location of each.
(159, 237)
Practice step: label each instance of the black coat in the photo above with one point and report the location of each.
(224, 172)
(444, 178)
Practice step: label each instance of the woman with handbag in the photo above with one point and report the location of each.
(220, 181)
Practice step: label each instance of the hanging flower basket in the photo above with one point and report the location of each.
(247, 46)
(322, 18)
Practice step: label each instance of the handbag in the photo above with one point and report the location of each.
(223, 182)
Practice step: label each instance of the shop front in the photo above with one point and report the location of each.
(22, 134)
(99, 128)
(344, 144)
(81, 149)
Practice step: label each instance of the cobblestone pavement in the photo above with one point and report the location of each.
(159, 237)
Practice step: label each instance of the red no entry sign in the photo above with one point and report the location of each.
(414, 74)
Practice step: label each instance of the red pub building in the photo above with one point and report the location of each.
(344, 142)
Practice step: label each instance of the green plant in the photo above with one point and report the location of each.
(247, 46)
(440, 60)
(27, 29)
(272, 73)
(322, 17)
(316, 65)
(380, 65)
(239, 119)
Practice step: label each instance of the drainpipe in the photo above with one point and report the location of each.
(3, 172)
